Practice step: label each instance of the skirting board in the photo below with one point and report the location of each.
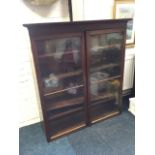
(132, 105)
(29, 122)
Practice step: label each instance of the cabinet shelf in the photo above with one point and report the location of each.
(67, 75)
(61, 88)
(64, 104)
(50, 91)
(102, 111)
(105, 116)
(102, 97)
(99, 48)
(104, 66)
(70, 74)
(106, 79)
(69, 130)
(54, 54)
(66, 113)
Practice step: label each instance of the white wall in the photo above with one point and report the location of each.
(98, 9)
(29, 103)
(28, 99)
(92, 9)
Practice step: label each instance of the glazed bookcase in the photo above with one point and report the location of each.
(79, 68)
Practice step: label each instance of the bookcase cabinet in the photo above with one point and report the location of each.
(79, 68)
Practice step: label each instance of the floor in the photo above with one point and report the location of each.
(115, 136)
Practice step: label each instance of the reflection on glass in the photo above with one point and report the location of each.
(102, 41)
(66, 106)
(69, 97)
(105, 55)
(105, 98)
(58, 46)
(94, 81)
(60, 63)
(109, 71)
(114, 88)
(105, 90)
(105, 48)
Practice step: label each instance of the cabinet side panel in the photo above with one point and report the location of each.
(39, 82)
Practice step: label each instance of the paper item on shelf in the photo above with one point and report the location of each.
(97, 48)
(72, 90)
(94, 78)
(99, 75)
(52, 81)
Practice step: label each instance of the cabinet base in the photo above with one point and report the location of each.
(71, 130)
(106, 117)
(74, 129)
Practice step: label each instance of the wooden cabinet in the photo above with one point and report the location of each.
(79, 68)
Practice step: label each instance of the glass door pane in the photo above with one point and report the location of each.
(65, 111)
(105, 98)
(60, 63)
(104, 72)
(105, 50)
(62, 73)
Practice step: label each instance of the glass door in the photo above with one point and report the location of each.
(104, 63)
(61, 70)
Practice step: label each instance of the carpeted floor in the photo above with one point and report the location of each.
(115, 136)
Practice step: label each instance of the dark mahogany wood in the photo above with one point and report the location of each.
(48, 29)
(81, 111)
(70, 10)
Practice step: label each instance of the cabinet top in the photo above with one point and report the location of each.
(107, 21)
(47, 29)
